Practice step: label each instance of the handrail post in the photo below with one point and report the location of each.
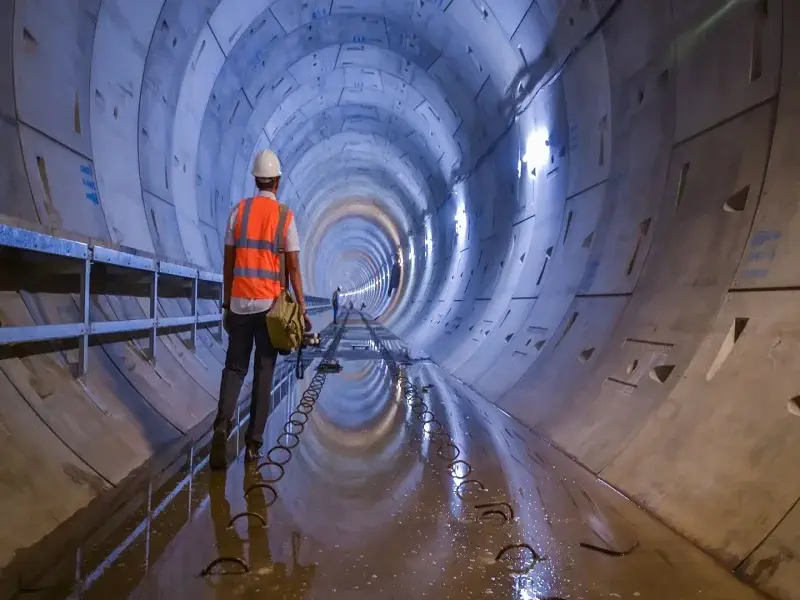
(195, 286)
(86, 300)
(154, 316)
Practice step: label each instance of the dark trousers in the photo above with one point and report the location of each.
(335, 312)
(243, 330)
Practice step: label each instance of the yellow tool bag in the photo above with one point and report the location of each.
(284, 320)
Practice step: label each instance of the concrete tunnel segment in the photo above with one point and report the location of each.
(617, 272)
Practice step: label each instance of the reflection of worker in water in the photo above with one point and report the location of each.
(335, 302)
(265, 576)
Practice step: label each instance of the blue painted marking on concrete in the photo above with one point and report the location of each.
(755, 273)
(762, 237)
(761, 255)
(89, 185)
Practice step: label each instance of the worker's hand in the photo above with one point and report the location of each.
(307, 322)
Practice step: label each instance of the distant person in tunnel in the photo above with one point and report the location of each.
(335, 302)
(394, 279)
(251, 285)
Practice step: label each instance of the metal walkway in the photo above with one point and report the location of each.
(398, 482)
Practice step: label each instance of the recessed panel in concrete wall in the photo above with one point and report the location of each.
(589, 116)
(748, 35)
(41, 476)
(569, 21)
(474, 330)
(170, 51)
(63, 186)
(163, 224)
(52, 67)
(213, 243)
(7, 104)
(287, 113)
(231, 20)
(635, 41)
(480, 22)
(232, 125)
(543, 155)
(685, 278)
(250, 55)
(140, 420)
(643, 134)
(189, 157)
(480, 372)
(727, 416)
(183, 401)
(15, 192)
(770, 259)
(123, 31)
(112, 432)
(242, 167)
(571, 255)
(549, 386)
(510, 13)
(204, 368)
(531, 36)
(524, 348)
(713, 186)
(291, 14)
(316, 69)
(167, 386)
(615, 399)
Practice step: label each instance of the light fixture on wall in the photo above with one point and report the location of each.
(537, 150)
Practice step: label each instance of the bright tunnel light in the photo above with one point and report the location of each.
(537, 149)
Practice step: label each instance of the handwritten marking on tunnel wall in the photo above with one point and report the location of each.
(760, 252)
(89, 185)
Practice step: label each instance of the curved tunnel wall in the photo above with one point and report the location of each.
(617, 271)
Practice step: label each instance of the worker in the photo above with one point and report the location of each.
(251, 277)
(394, 278)
(335, 302)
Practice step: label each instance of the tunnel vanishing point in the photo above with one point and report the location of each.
(592, 204)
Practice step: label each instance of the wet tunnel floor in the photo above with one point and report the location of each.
(374, 504)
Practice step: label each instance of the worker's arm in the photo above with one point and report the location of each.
(293, 271)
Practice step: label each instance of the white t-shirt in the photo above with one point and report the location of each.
(249, 306)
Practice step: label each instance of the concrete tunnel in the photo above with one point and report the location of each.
(591, 206)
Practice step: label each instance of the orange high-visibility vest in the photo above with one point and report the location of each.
(256, 272)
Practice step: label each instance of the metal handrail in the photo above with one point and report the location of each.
(89, 254)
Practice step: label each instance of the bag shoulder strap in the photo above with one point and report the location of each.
(283, 214)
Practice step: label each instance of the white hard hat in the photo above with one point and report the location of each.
(266, 165)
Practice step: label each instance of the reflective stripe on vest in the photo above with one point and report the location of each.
(256, 272)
